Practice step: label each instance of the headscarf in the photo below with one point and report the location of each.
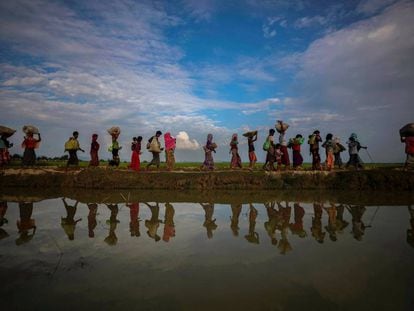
(354, 136)
(169, 141)
(234, 140)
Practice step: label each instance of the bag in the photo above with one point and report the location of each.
(70, 144)
(312, 139)
(149, 142)
(266, 145)
(154, 146)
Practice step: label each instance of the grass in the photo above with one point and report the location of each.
(180, 165)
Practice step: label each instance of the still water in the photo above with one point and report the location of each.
(63, 254)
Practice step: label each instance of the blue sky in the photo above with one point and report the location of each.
(195, 67)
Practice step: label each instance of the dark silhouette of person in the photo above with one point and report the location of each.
(134, 219)
(297, 227)
(410, 232)
(358, 226)
(3, 220)
(285, 212)
(331, 228)
(209, 222)
(316, 229)
(340, 222)
(253, 236)
(234, 219)
(69, 223)
(112, 239)
(169, 226)
(154, 222)
(272, 223)
(93, 210)
(26, 223)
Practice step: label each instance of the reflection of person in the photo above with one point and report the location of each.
(410, 232)
(153, 223)
(271, 224)
(169, 227)
(358, 227)
(209, 222)
(316, 228)
(134, 219)
(252, 237)
(3, 220)
(93, 210)
(331, 228)
(297, 226)
(25, 223)
(285, 212)
(340, 222)
(234, 219)
(69, 223)
(112, 239)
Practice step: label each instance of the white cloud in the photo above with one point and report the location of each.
(373, 6)
(185, 143)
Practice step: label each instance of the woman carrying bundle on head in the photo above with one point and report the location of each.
(30, 144)
(234, 150)
(281, 128)
(114, 147)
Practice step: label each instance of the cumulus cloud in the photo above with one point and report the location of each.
(185, 143)
(359, 77)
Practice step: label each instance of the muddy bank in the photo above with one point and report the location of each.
(103, 178)
(366, 198)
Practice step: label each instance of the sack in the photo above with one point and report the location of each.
(154, 146)
(70, 144)
(312, 139)
(266, 145)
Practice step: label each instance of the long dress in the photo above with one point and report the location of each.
(135, 160)
(94, 154)
(235, 157)
(29, 155)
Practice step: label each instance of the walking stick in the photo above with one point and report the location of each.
(369, 155)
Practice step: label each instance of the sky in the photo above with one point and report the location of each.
(193, 67)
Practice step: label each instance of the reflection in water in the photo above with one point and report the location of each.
(93, 210)
(283, 218)
(234, 219)
(3, 219)
(297, 227)
(358, 227)
(134, 219)
(331, 228)
(253, 236)
(112, 239)
(209, 222)
(316, 228)
(69, 223)
(169, 227)
(284, 245)
(410, 232)
(26, 223)
(153, 223)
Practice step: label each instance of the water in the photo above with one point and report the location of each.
(208, 256)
